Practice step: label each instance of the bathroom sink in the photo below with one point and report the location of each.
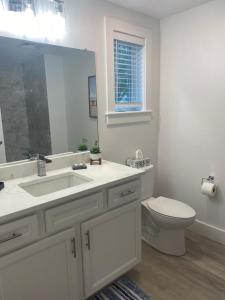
(51, 184)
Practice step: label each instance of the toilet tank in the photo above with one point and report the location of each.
(147, 184)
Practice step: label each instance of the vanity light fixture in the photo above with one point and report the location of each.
(25, 18)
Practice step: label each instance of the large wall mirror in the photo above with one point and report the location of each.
(48, 99)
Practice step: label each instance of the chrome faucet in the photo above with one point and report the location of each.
(41, 164)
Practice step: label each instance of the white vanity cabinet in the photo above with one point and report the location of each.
(111, 246)
(46, 270)
(72, 249)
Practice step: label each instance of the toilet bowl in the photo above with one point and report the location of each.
(163, 224)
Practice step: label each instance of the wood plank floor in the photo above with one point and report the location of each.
(198, 275)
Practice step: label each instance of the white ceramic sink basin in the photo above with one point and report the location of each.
(51, 184)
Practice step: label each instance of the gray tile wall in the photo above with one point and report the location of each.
(14, 112)
(24, 107)
(37, 105)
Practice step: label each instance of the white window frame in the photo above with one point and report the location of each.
(131, 33)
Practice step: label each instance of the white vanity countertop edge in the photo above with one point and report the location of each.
(15, 202)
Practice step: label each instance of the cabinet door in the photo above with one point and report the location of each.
(46, 270)
(111, 246)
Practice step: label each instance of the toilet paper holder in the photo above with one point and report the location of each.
(210, 179)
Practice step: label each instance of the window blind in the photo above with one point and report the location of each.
(128, 75)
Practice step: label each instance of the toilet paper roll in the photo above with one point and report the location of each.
(208, 189)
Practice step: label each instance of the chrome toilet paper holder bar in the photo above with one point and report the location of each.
(210, 179)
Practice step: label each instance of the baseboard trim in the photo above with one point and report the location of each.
(212, 232)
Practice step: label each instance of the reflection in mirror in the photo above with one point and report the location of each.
(48, 101)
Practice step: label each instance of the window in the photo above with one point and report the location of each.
(128, 71)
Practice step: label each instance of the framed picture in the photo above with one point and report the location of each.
(93, 111)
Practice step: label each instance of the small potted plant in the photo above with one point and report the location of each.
(95, 153)
(83, 146)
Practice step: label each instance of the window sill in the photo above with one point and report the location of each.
(120, 118)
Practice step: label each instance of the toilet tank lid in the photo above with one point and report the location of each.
(171, 208)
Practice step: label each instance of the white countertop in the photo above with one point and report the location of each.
(14, 201)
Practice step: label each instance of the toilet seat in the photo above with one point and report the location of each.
(170, 208)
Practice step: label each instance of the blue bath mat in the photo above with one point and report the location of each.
(122, 289)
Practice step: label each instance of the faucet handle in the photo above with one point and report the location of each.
(42, 157)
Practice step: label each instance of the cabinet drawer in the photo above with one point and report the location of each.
(68, 214)
(124, 193)
(18, 233)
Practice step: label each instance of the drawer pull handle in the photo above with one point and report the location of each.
(127, 193)
(88, 240)
(74, 252)
(12, 237)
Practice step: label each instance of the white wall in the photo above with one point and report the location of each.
(56, 103)
(77, 68)
(67, 88)
(192, 114)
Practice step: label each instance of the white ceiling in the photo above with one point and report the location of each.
(159, 8)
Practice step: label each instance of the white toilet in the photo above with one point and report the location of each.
(163, 224)
(163, 219)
